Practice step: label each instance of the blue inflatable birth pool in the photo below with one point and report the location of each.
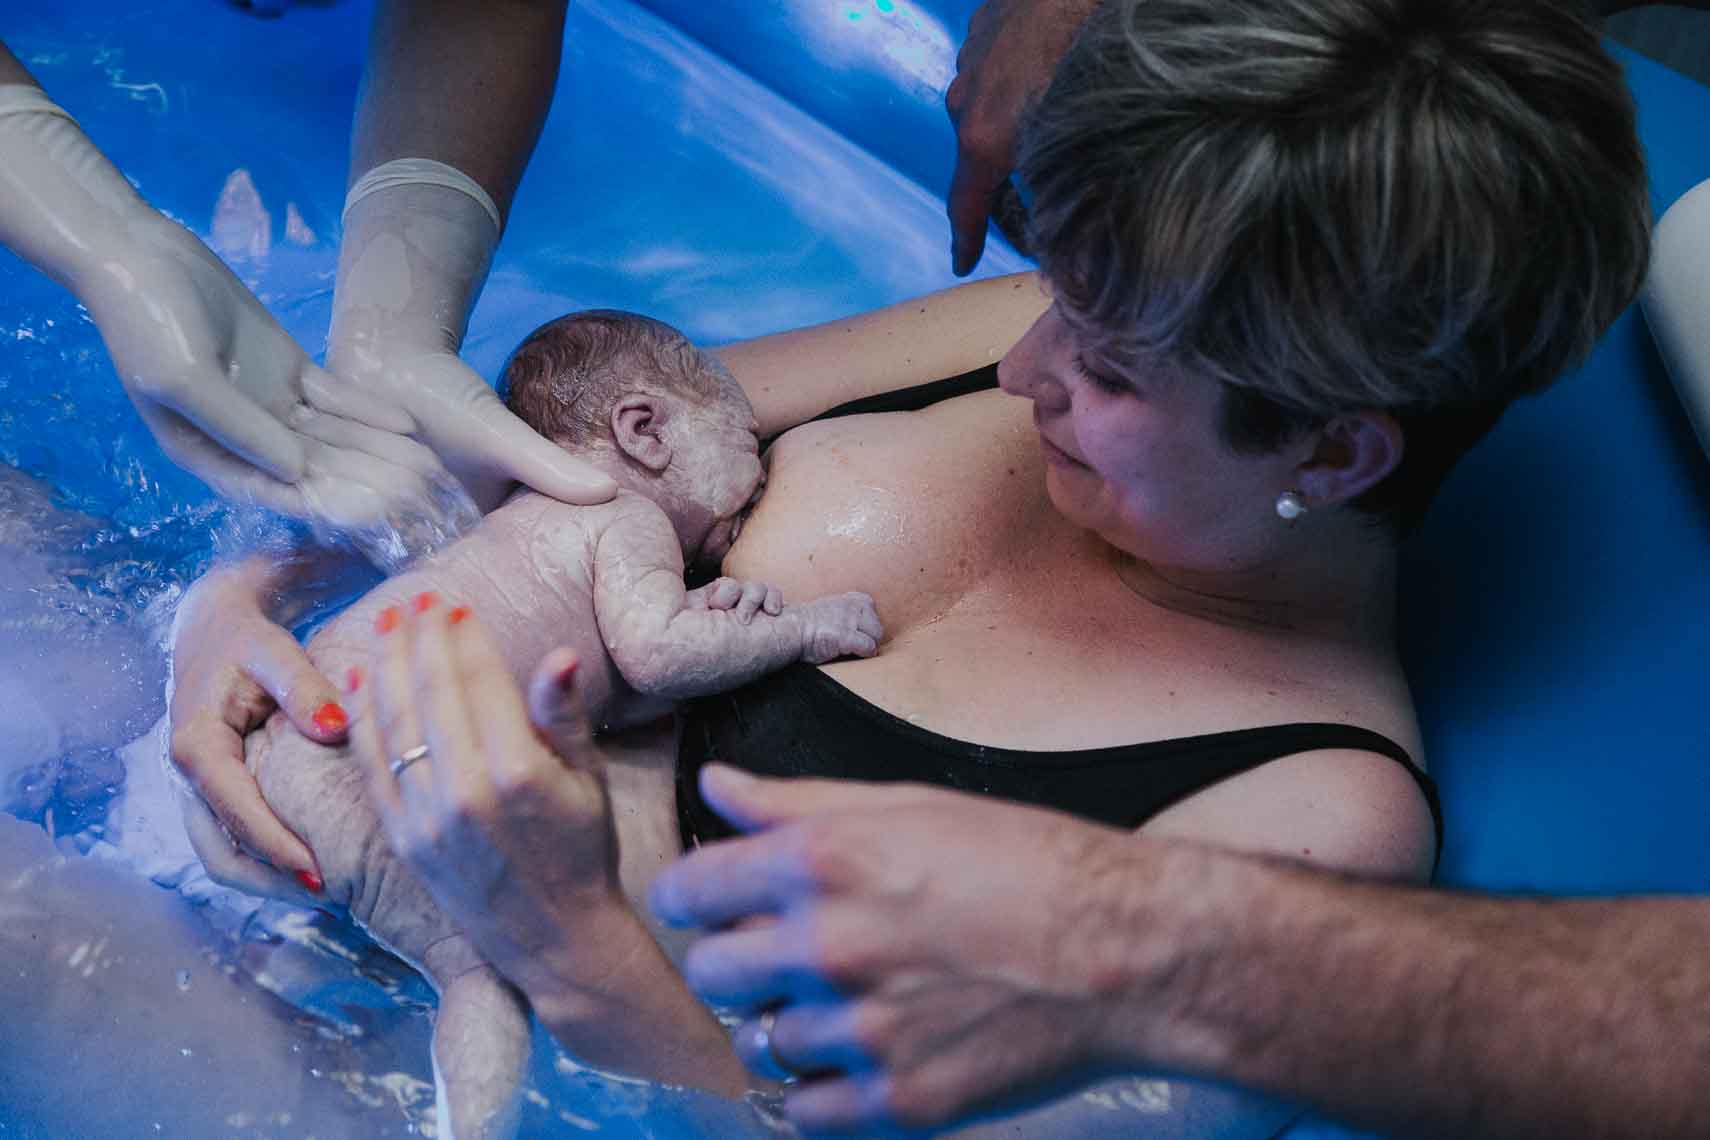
(736, 169)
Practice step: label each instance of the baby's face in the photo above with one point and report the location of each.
(723, 469)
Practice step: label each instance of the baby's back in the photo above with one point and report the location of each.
(527, 570)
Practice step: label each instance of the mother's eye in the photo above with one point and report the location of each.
(1103, 381)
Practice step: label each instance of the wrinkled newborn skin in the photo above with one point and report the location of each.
(540, 574)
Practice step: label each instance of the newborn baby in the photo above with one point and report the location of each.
(672, 427)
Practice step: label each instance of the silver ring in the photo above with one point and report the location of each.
(765, 1046)
(419, 752)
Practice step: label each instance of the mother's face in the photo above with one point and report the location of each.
(1137, 457)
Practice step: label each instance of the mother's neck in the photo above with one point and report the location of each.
(1336, 582)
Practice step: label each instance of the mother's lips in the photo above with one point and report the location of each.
(1055, 453)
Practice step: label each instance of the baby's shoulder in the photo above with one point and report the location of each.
(539, 521)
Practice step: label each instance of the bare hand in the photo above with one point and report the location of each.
(923, 945)
(506, 817)
(1012, 51)
(839, 625)
(231, 667)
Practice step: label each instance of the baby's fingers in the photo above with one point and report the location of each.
(753, 597)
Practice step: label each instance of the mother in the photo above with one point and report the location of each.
(1299, 256)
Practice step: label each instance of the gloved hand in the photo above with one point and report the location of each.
(227, 392)
(418, 240)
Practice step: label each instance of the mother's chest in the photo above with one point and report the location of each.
(916, 510)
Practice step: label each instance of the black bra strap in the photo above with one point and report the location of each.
(918, 397)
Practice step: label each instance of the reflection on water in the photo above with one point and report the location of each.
(669, 181)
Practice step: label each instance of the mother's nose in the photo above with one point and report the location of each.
(1025, 368)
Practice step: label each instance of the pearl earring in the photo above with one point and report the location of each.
(1290, 505)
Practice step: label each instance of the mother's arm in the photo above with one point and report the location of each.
(793, 376)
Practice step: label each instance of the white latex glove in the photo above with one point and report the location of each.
(418, 240)
(227, 392)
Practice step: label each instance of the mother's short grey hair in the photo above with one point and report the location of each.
(1425, 206)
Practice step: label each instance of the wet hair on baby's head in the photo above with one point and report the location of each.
(564, 379)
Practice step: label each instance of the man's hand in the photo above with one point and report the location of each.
(922, 949)
(1011, 53)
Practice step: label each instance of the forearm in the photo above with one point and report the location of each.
(1410, 1011)
(466, 84)
(12, 69)
(63, 207)
(790, 377)
(699, 652)
(614, 1000)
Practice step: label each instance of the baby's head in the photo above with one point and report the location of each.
(631, 395)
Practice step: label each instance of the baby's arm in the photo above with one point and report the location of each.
(665, 646)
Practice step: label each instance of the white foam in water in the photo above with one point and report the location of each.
(80, 671)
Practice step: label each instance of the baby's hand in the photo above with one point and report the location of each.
(746, 598)
(840, 625)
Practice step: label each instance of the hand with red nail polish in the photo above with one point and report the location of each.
(233, 668)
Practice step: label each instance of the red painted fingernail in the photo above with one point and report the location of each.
(331, 717)
(460, 613)
(425, 601)
(352, 679)
(311, 882)
(387, 621)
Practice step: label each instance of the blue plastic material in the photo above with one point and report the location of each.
(738, 168)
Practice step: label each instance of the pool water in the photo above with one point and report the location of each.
(732, 169)
(668, 181)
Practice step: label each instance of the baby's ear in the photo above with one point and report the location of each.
(638, 422)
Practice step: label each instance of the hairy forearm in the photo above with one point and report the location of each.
(1418, 1012)
(614, 1000)
(467, 84)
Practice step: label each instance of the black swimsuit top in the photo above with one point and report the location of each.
(800, 722)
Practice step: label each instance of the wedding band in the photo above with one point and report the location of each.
(419, 752)
(766, 1047)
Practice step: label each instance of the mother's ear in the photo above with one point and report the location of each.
(1355, 452)
(638, 422)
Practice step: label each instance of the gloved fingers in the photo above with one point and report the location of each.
(350, 401)
(486, 432)
(338, 431)
(227, 416)
(231, 477)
